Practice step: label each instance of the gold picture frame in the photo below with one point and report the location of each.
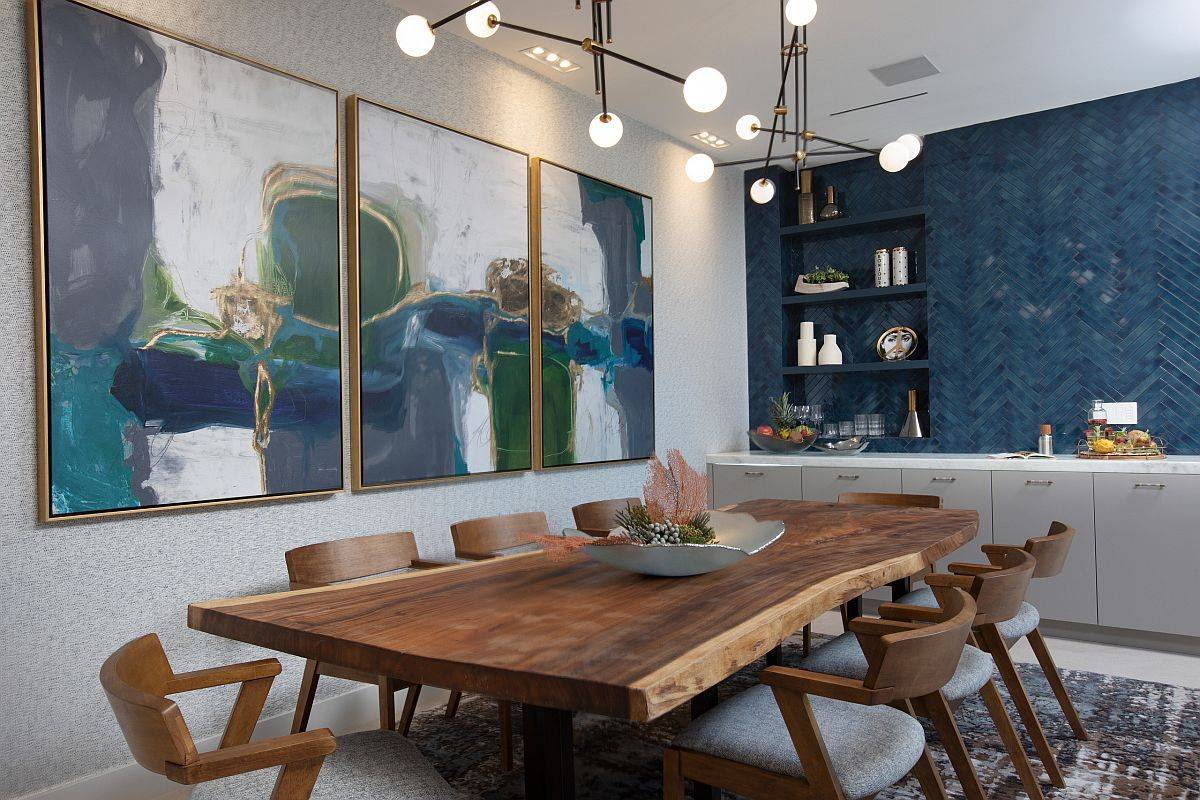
(45, 511)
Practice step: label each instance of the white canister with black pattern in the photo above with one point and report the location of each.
(899, 266)
(883, 269)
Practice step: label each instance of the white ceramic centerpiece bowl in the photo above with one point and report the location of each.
(739, 536)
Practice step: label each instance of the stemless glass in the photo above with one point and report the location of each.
(846, 428)
(875, 423)
(862, 425)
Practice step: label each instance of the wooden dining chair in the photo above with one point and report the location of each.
(340, 560)
(1003, 603)
(808, 735)
(843, 656)
(495, 537)
(886, 499)
(492, 537)
(1051, 553)
(599, 517)
(379, 764)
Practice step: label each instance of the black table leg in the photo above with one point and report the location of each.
(775, 657)
(549, 753)
(705, 701)
(853, 608)
(900, 588)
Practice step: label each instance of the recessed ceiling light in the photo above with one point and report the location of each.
(710, 139)
(550, 59)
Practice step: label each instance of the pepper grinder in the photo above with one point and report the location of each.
(1046, 441)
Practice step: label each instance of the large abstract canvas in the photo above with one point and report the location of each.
(190, 297)
(597, 320)
(441, 268)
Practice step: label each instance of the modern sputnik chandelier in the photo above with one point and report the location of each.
(703, 90)
(798, 13)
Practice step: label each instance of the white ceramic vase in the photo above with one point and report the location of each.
(830, 352)
(806, 346)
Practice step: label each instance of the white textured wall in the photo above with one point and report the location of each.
(70, 593)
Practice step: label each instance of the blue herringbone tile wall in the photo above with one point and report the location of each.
(1064, 265)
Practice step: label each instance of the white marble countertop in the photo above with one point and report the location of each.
(1171, 465)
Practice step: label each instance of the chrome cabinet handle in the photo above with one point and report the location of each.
(944, 480)
(1149, 486)
(847, 477)
(755, 474)
(1039, 483)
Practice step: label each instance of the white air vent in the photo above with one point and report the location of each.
(905, 71)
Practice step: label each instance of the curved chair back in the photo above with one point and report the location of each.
(917, 662)
(1051, 550)
(488, 536)
(998, 592)
(599, 517)
(891, 499)
(324, 563)
(136, 679)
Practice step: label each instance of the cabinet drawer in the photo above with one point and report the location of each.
(969, 489)
(1023, 505)
(826, 483)
(1148, 551)
(734, 483)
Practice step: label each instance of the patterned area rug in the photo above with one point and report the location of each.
(1144, 747)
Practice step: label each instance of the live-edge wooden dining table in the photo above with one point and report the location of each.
(575, 635)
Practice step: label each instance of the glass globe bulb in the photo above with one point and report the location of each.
(606, 133)
(761, 191)
(748, 127)
(414, 35)
(893, 157)
(700, 167)
(477, 20)
(912, 143)
(704, 90)
(800, 12)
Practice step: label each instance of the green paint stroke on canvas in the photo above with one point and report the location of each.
(509, 400)
(88, 454)
(558, 408)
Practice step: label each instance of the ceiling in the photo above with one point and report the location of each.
(998, 58)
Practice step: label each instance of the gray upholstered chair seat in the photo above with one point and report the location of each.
(844, 657)
(374, 765)
(870, 747)
(1026, 620)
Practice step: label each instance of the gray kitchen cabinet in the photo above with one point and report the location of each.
(734, 483)
(1024, 503)
(1148, 551)
(969, 489)
(826, 483)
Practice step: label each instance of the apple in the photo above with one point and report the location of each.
(766, 430)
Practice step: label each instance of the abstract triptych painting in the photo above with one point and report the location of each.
(442, 383)
(190, 300)
(597, 320)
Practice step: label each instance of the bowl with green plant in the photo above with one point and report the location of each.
(825, 279)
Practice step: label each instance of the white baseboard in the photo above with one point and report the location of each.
(356, 710)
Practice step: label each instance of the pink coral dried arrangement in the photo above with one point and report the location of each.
(675, 492)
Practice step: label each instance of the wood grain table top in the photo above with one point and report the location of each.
(581, 636)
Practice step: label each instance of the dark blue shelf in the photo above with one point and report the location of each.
(850, 295)
(853, 224)
(870, 366)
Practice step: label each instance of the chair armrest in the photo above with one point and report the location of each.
(831, 686)
(254, 756)
(871, 626)
(959, 568)
(964, 582)
(999, 549)
(907, 613)
(223, 676)
(476, 556)
(425, 563)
